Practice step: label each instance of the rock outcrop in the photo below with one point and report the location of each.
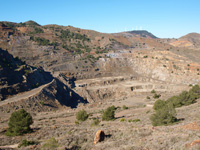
(100, 135)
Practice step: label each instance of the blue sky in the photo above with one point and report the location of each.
(163, 18)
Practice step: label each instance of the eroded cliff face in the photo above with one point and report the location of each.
(158, 65)
(51, 96)
(122, 87)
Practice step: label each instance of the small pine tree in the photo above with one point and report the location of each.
(19, 123)
(109, 114)
(159, 104)
(195, 91)
(81, 115)
(164, 116)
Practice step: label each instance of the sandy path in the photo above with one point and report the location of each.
(25, 95)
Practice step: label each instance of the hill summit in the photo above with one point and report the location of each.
(138, 33)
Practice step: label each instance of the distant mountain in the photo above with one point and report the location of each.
(192, 37)
(139, 33)
(191, 40)
(31, 23)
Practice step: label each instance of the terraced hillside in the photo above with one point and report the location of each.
(54, 71)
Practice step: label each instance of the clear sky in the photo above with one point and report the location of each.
(163, 18)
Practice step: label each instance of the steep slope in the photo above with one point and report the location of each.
(80, 53)
(16, 76)
(24, 86)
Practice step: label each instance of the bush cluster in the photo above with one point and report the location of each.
(44, 42)
(25, 143)
(67, 34)
(186, 97)
(165, 112)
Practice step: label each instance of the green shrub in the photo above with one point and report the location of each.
(76, 122)
(37, 30)
(41, 102)
(37, 85)
(19, 123)
(145, 56)
(51, 144)
(187, 98)
(42, 41)
(164, 116)
(122, 119)
(124, 107)
(27, 143)
(195, 91)
(81, 115)
(26, 72)
(156, 96)
(95, 122)
(109, 113)
(148, 97)
(159, 104)
(135, 120)
(153, 91)
(175, 101)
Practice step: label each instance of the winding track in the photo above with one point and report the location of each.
(25, 95)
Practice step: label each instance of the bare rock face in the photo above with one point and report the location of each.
(100, 135)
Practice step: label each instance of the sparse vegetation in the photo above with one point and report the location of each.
(51, 144)
(95, 122)
(133, 120)
(25, 143)
(41, 41)
(67, 34)
(19, 123)
(121, 78)
(37, 31)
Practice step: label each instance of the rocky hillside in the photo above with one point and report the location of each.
(25, 86)
(138, 33)
(16, 76)
(72, 53)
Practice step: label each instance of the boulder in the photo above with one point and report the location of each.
(100, 135)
